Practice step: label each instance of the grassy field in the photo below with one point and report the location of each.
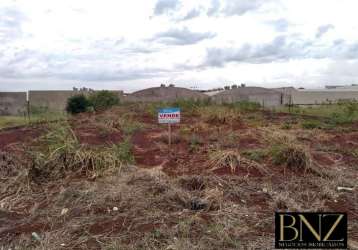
(345, 111)
(14, 121)
(108, 180)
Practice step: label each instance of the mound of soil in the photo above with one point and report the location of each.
(17, 136)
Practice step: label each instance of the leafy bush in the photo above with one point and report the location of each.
(77, 104)
(103, 99)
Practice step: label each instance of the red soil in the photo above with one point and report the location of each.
(145, 150)
(323, 159)
(239, 171)
(109, 226)
(21, 135)
(91, 136)
(16, 224)
(249, 143)
(344, 140)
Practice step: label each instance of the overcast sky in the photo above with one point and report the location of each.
(131, 45)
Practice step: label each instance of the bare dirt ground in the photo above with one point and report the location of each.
(217, 187)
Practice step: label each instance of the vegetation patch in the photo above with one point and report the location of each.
(311, 124)
(290, 155)
(104, 99)
(215, 188)
(59, 151)
(78, 104)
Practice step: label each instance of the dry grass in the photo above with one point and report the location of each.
(220, 115)
(232, 159)
(110, 205)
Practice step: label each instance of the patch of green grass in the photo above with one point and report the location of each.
(219, 114)
(245, 106)
(129, 125)
(254, 119)
(195, 142)
(59, 151)
(43, 114)
(342, 112)
(123, 152)
(189, 106)
(286, 125)
(311, 124)
(290, 155)
(257, 155)
(12, 121)
(36, 117)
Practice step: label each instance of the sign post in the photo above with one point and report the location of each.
(169, 116)
(169, 134)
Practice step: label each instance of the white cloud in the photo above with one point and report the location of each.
(134, 44)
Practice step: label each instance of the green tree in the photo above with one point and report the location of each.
(104, 99)
(77, 104)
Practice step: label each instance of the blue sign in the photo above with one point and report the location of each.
(169, 115)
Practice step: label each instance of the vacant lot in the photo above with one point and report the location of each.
(108, 180)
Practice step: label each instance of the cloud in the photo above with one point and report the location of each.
(280, 25)
(165, 6)
(279, 49)
(282, 48)
(341, 71)
(191, 14)
(11, 24)
(182, 37)
(214, 8)
(233, 8)
(323, 30)
(29, 64)
(240, 7)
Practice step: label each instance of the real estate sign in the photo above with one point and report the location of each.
(169, 115)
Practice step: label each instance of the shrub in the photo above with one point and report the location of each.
(123, 152)
(103, 99)
(77, 104)
(291, 156)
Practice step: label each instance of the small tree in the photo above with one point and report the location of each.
(77, 104)
(103, 99)
(234, 86)
(227, 87)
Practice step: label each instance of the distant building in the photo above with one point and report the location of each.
(331, 94)
(263, 96)
(170, 93)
